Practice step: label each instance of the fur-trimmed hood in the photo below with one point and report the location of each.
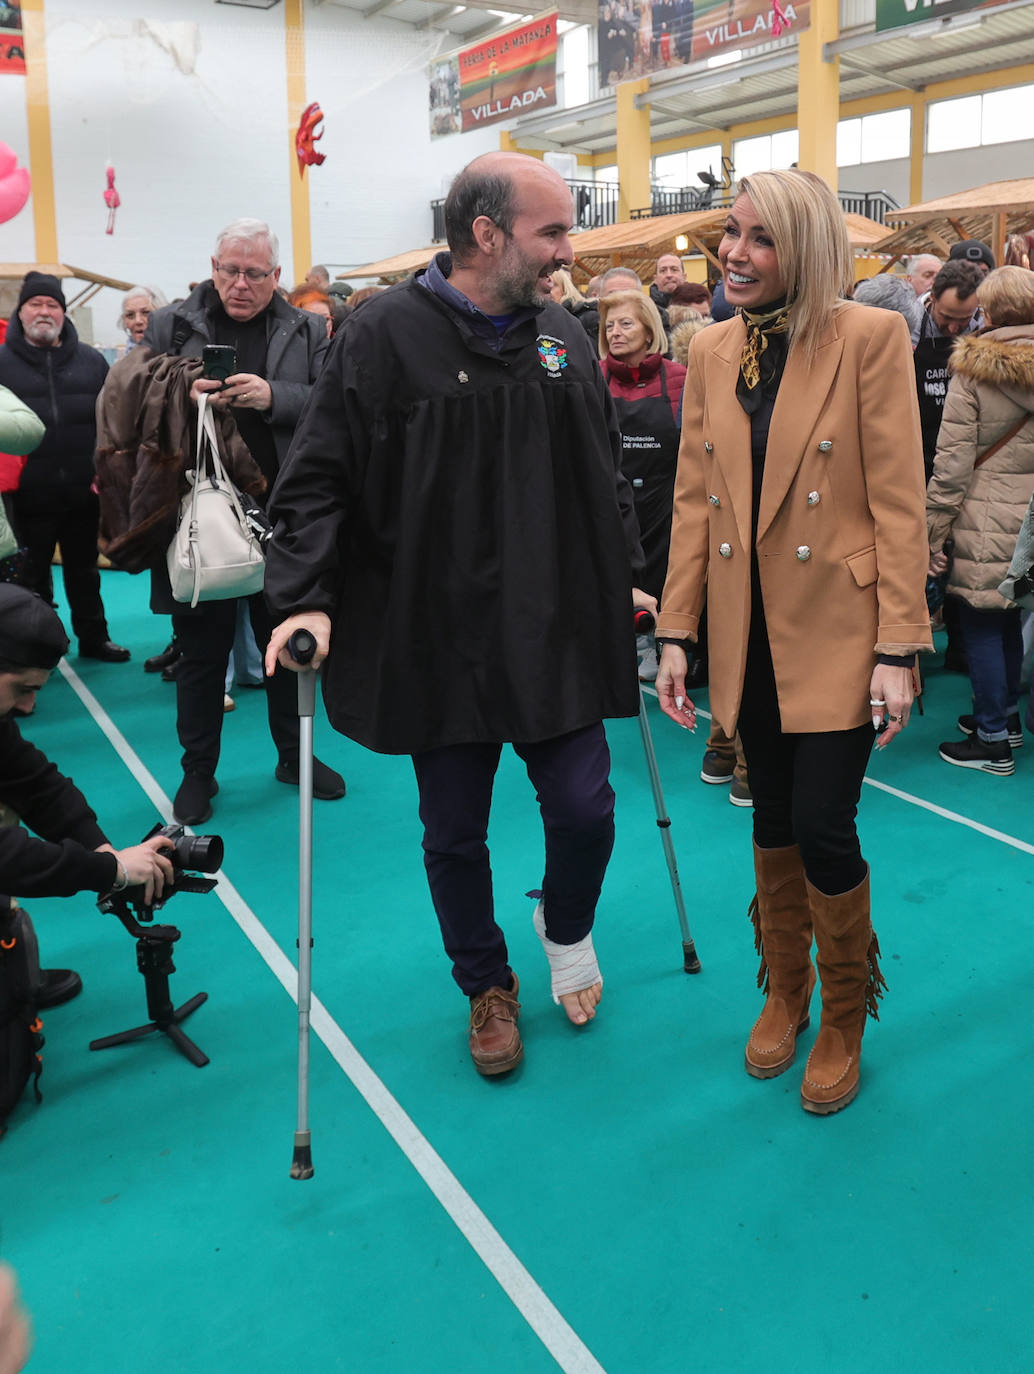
(1002, 358)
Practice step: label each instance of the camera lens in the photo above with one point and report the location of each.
(202, 853)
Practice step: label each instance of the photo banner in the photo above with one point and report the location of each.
(509, 74)
(12, 41)
(894, 14)
(638, 37)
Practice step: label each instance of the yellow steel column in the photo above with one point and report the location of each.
(301, 224)
(633, 138)
(37, 107)
(917, 150)
(507, 142)
(818, 92)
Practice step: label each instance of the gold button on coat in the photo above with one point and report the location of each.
(803, 553)
(725, 550)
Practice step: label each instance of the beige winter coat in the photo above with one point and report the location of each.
(992, 387)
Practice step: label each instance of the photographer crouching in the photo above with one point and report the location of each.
(71, 854)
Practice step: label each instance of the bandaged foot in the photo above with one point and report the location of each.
(577, 983)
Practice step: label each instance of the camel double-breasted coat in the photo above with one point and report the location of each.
(841, 536)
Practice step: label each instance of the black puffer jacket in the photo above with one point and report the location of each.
(61, 385)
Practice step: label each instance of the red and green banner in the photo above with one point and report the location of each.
(637, 37)
(12, 41)
(509, 74)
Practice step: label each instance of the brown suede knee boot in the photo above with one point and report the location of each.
(782, 936)
(849, 971)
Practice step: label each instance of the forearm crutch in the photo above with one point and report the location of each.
(644, 623)
(301, 646)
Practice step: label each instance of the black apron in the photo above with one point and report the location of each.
(931, 365)
(650, 450)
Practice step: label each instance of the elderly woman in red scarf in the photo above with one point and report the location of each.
(647, 390)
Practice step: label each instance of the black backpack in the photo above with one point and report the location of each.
(20, 1027)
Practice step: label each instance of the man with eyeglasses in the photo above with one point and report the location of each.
(280, 352)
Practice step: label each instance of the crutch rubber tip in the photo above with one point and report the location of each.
(690, 962)
(301, 1164)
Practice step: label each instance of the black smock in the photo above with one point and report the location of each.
(453, 500)
(650, 450)
(931, 364)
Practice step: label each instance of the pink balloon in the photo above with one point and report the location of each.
(14, 192)
(8, 161)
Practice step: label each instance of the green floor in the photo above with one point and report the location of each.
(654, 1209)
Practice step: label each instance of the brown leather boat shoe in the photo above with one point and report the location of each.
(495, 1041)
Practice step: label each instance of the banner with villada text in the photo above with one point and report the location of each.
(509, 74)
(637, 37)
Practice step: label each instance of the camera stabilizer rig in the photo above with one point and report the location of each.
(203, 853)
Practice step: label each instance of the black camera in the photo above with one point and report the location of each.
(202, 853)
(191, 856)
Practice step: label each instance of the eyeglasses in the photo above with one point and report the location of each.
(252, 274)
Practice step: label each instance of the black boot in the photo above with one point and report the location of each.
(58, 985)
(193, 802)
(168, 656)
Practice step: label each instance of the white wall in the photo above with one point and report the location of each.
(944, 173)
(190, 107)
(891, 177)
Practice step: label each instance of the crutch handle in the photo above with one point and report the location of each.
(643, 620)
(302, 646)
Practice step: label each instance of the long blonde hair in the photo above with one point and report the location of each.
(809, 232)
(569, 292)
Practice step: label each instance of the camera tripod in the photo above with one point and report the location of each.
(154, 960)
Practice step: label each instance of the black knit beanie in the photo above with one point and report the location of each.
(40, 284)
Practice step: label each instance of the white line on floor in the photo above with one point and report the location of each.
(559, 1338)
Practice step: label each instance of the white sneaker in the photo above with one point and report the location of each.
(648, 666)
(228, 703)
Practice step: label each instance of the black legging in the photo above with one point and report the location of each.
(805, 786)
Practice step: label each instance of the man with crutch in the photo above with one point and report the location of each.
(452, 527)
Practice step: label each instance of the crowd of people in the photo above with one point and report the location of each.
(504, 465)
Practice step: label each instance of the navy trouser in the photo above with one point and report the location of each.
(570, 776)
(994, 649)
(805, 786)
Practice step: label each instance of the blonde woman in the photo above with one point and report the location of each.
(565, 293)
(647, 392)
(799, 504)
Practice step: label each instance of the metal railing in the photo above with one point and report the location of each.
(596, 204)
(684, 200)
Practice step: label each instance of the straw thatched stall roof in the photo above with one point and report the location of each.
(989, 213)
(638, 243)
(92, 281)
(394, 269)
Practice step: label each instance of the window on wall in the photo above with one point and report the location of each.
(874, 138)
(975, 120)
(574, 63)
(607, 173)
(680, 169)
(766, 152)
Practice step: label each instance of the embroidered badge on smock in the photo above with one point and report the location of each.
(462, 377)
(552, 354)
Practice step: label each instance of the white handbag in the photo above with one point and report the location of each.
(216, 553)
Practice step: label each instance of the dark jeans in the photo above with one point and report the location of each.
(570, 776)
(805, 787)
(994, 647)
(206, 638)
(74, 527)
